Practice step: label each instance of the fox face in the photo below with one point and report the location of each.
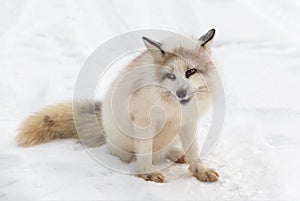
(182, 70)
(182, 78)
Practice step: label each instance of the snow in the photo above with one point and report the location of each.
(45, 43)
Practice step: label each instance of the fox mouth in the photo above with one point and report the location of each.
(184, 102)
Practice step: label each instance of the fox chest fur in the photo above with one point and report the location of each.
(149, 109)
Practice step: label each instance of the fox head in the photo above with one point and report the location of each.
(184, 66)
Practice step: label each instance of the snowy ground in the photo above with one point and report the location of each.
(44, 44)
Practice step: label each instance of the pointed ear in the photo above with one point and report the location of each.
(207, 38)
(154, 48)
(151, 44)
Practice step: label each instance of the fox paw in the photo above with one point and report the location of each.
(181, 159)
(154, 176)
(176, 155)
(206, 175)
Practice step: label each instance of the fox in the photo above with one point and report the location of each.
(156, 101)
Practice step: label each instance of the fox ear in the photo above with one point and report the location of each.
(207, 38)
(154, 48)
(152, 45)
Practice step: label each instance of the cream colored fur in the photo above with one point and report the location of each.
(138, 120)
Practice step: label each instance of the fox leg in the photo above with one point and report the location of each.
(143, 150)
(197, 167)
(176, 155)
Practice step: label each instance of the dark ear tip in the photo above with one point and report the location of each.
(207, 37)
(212, 31)
(146, 39)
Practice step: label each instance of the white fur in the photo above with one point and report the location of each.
(139, 104)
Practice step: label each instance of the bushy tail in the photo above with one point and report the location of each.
(57, 121)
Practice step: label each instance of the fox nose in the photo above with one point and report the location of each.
(181, 93)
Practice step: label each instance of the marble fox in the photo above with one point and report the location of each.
(170, 77)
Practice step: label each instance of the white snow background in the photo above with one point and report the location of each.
(43, 45)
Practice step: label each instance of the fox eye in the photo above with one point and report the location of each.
(171, 76)
(190, 72)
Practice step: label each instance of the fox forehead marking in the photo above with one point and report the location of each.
(180, 65)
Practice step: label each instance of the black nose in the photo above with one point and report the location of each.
(181, 93)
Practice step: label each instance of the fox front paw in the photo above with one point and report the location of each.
(154, 176)
(181, 159)
(176, 155)
(206, 175)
